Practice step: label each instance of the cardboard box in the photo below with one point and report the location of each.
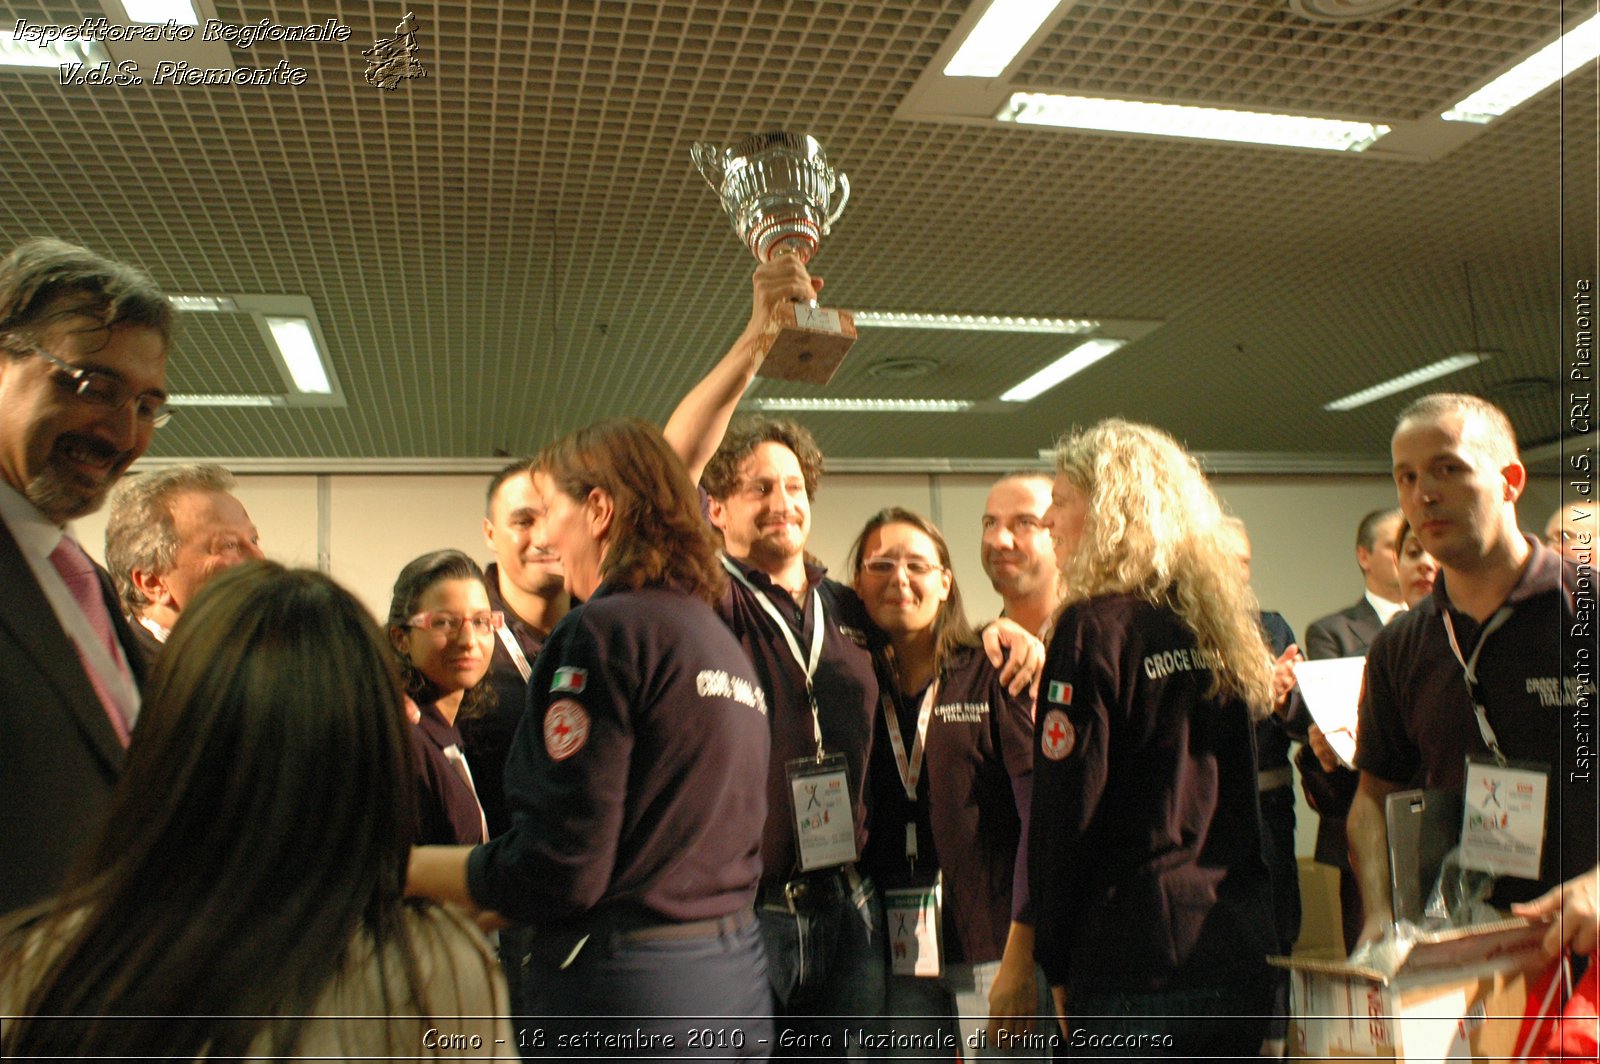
(1460, 995)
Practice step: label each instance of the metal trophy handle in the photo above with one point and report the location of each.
(708, 160)
(843, 184)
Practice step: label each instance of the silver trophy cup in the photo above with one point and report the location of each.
(783, 197)
(777, 189)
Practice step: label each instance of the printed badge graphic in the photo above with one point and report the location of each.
(1059, 693)
(1058, 736)
(566, 729)
(569, 678)
(394, 59)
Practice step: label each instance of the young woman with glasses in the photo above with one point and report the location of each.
(443, 632)
(948, 781)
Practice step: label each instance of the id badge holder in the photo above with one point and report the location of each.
(1503, 817)
(916, 917)
(824, 823)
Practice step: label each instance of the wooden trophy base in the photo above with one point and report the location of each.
(806, 343)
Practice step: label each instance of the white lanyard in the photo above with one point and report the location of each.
(910, 768)
(1469, 668)
(807, 666)
(518, 658)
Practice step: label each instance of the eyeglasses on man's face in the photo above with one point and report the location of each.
(914, 567)
(442, 625)
(106, 390)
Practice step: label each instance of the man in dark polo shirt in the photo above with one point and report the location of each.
(822, 924)
(525, 585)
(1503, 612)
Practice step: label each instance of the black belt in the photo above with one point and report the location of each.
(812, 890)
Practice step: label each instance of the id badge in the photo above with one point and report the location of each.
(824, 824)
(914, 916)
(1503, 817)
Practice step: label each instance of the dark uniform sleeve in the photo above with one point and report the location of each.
(565, 793)
(1067, 790)
(1382, 746)
(1013, 724)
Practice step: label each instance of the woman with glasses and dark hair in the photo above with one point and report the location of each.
(636, 781)
(442, 630)
(1151, 891)
(244, 896)
(948, 780)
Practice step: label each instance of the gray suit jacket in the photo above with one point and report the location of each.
(1344, 634)
(59, 757)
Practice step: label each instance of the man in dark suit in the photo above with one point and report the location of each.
(83, 346)
(1329, 786)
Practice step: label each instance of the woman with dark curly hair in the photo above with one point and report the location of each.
(244, 897)
(637, 779)
(442, 630)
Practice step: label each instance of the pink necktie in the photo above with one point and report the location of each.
(78, 572)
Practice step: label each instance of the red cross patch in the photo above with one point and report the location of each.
(1057, 736)
(566, 728)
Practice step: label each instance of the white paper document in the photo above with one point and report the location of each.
(1332, 690)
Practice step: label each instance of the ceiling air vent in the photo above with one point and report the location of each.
(1345, 10)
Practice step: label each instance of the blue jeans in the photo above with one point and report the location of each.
(827, 971)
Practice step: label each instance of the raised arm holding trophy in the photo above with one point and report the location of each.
(779, 192)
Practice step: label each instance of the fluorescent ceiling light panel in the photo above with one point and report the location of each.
(998, 37)
(179, 11)
(300, 353)
(1442, 368)
(1077, 360)
(1531, 76)
(224, 399)
(213, 304)
(834, 406)
(975, 322)
(15, 53)
(1182, 120)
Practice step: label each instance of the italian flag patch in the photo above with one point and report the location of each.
(569, 678)
(1059, 693)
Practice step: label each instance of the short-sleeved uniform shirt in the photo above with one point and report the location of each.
(447, 807)
(845, 685)
(1145, 864)
(635, 779)
(487, 738)
(978, 754)
(1416, 713)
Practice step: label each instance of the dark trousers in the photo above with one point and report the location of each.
(1223, 1023)
(624, 999)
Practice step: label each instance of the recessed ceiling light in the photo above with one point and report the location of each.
(29, 55)
(1077, 360)
(1533, 75)
(890, 319)
(1433, 371)
(224, 399)
(298, 347)
(1183, 120)
(997, 38)
(179, 11)
(907, 406)
(212, 304)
